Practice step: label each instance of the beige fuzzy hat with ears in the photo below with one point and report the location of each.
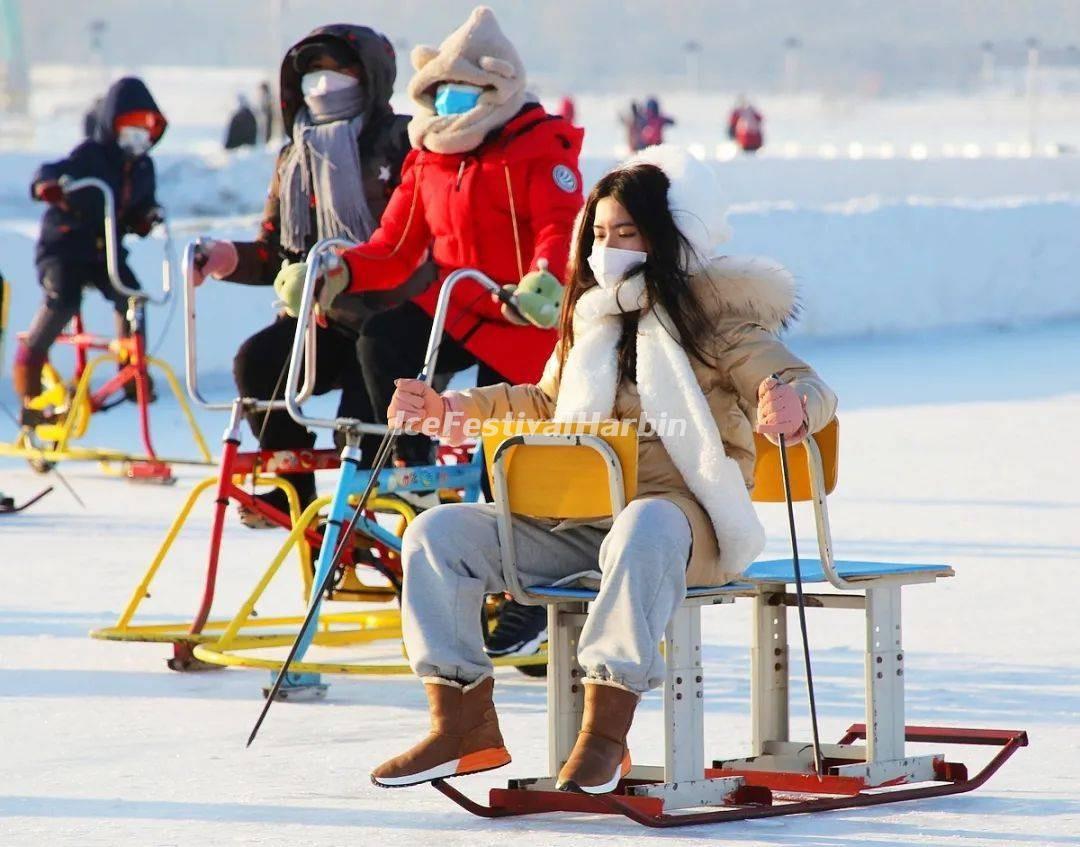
(476, 53)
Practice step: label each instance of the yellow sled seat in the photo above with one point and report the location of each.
(566, 481)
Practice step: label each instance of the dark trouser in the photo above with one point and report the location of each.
(259, 369)
(63, 282)
(391, 346)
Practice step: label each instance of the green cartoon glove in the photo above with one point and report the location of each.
(289, 286)
(539, 297)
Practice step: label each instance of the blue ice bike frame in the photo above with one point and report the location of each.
(353, 478)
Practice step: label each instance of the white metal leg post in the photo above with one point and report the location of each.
(769, 672)
(565, 690)
(884, 675)
(684, 698)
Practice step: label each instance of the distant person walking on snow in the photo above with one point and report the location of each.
(633, 122)
(243, 129)
(267, 112)
(653, 123)
(90, 118)
(745, 126)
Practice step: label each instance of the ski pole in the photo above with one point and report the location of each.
(431, 357)
(383, 453)
(801, 603)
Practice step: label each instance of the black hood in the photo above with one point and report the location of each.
(128, 94)
(373, 51)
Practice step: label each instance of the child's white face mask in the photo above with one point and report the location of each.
(610, 264)
(323, 82)
(134, 140)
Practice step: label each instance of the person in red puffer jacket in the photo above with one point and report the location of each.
(492, 183)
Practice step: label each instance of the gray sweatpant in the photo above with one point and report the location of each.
(451, 559)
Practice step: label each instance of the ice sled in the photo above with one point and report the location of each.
(456, 477)
(870, 764)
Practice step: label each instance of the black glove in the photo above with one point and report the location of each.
(147, 222)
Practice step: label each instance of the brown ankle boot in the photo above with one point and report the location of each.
(464, 737)
(600, 757)
(26, 376)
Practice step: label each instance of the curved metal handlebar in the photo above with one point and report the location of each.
(438, 322)
(191, 345)
(316, 256)
(112, 243)
(304, 349)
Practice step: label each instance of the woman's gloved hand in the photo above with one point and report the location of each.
(214, 258)
(416, 407)
(781, 411)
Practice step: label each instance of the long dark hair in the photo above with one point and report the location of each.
(642, 190)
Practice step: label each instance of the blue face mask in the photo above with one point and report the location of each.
(456, 98)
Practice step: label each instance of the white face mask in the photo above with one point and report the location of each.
(323, 82)
(610, 264)
(134, 140)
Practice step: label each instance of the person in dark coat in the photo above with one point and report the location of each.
(653, 124)
(632, 122)
(243, 130)
(267, 112)
(90, 118)
(71, 246)
(333, 178)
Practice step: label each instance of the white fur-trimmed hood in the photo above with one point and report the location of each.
(695, 198)
(751, 287)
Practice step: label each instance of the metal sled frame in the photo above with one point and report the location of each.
(234, 469)
(779, 778)
(233, 649)
(130, 354)
(460, 480)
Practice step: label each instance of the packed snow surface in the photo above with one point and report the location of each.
(956, 448)
(906, 224)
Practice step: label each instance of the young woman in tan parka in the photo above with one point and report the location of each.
(655, 332)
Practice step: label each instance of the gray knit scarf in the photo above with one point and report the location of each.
(324, 157)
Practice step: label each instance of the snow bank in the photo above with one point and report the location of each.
(872, 268)
(210, 182)
(863, 268)
(878, 247)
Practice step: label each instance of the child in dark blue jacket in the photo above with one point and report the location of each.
(71, 247)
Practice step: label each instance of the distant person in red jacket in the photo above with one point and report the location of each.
(745, 126)
(492, 183)
(653, 124)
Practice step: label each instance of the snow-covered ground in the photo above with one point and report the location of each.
(956, 447)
